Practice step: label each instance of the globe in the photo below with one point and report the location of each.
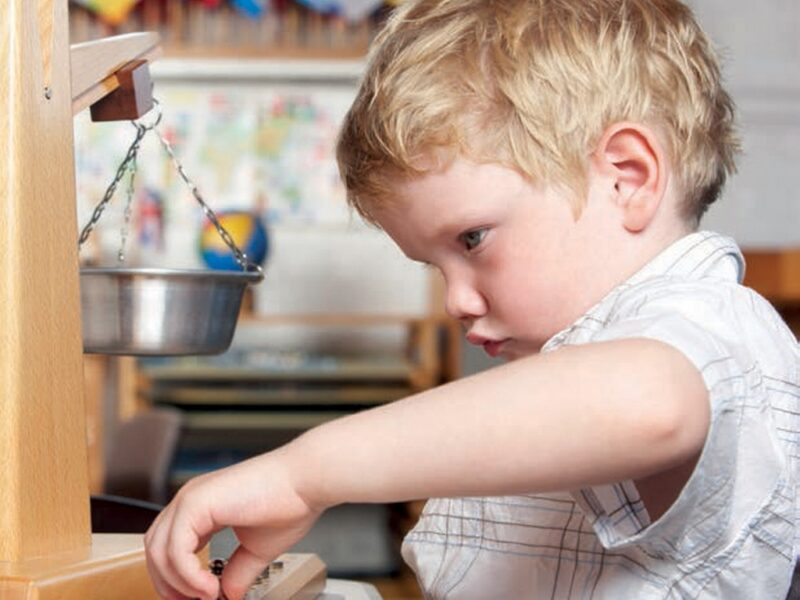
(248, 233)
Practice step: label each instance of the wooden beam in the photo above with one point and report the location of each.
(132, 99)
(95, 63)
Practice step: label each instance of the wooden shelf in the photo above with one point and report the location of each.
(337, 370)
(336, 320)
(279, 396)
(190, 30)
(261, 421)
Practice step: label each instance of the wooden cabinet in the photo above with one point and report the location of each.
(775, 274)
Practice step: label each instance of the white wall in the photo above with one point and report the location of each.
(760, 44)
(345, 268)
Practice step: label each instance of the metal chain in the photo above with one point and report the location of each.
(241, 257)
(123, 167)
(141, 130)
(127, 218)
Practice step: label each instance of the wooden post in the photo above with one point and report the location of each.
(47, 550)
(43, 470)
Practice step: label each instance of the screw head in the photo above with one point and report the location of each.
(217, 565)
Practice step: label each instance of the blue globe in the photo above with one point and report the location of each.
(247, 231)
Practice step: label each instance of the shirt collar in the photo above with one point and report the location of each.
(695, 256)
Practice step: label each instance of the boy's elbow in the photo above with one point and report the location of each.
(682, 434)
(680, 422)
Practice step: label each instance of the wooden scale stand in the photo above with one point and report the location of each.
(47, 550)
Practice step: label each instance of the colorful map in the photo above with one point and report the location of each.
(248, 147)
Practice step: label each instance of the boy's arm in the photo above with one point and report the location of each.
(582, 415)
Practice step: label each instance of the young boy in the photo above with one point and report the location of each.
(552, 159)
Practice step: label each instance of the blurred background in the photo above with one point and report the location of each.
(252, 93)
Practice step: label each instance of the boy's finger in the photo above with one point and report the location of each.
(166, 578)
(183, 571)
(189, 576)
(172, 594)
(160, 517)
(163, 589)
(155, 554)
(242, 569)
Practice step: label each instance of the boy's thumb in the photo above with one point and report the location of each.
(241, 571)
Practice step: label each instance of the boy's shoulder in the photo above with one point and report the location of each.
(691, 297)
(699, 276)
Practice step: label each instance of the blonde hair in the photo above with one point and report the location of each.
(532, 84)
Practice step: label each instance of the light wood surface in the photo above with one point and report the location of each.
(44, 18)
(95, 373)
(43, 471)
(112, 568)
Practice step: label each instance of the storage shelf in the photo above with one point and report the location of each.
(344, 370)
(190, 30)
(279, 396)
(265, 421)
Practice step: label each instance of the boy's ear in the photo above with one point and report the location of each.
(634, 166)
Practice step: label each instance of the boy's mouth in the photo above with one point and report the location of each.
(492, 347)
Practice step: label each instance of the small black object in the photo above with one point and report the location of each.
(217, 565)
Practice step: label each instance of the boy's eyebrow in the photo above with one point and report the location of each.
(462, 224)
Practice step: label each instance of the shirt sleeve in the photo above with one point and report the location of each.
(739, 468)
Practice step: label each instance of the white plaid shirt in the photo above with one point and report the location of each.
(733, 532)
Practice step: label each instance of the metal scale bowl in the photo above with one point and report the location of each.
(154, 312)
(160, 312)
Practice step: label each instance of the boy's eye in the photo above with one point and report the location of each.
(471, 239)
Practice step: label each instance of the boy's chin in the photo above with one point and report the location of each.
(519, 350)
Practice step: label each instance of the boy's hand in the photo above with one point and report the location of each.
(257, 498)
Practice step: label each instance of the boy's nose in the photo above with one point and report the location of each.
(464, 301)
